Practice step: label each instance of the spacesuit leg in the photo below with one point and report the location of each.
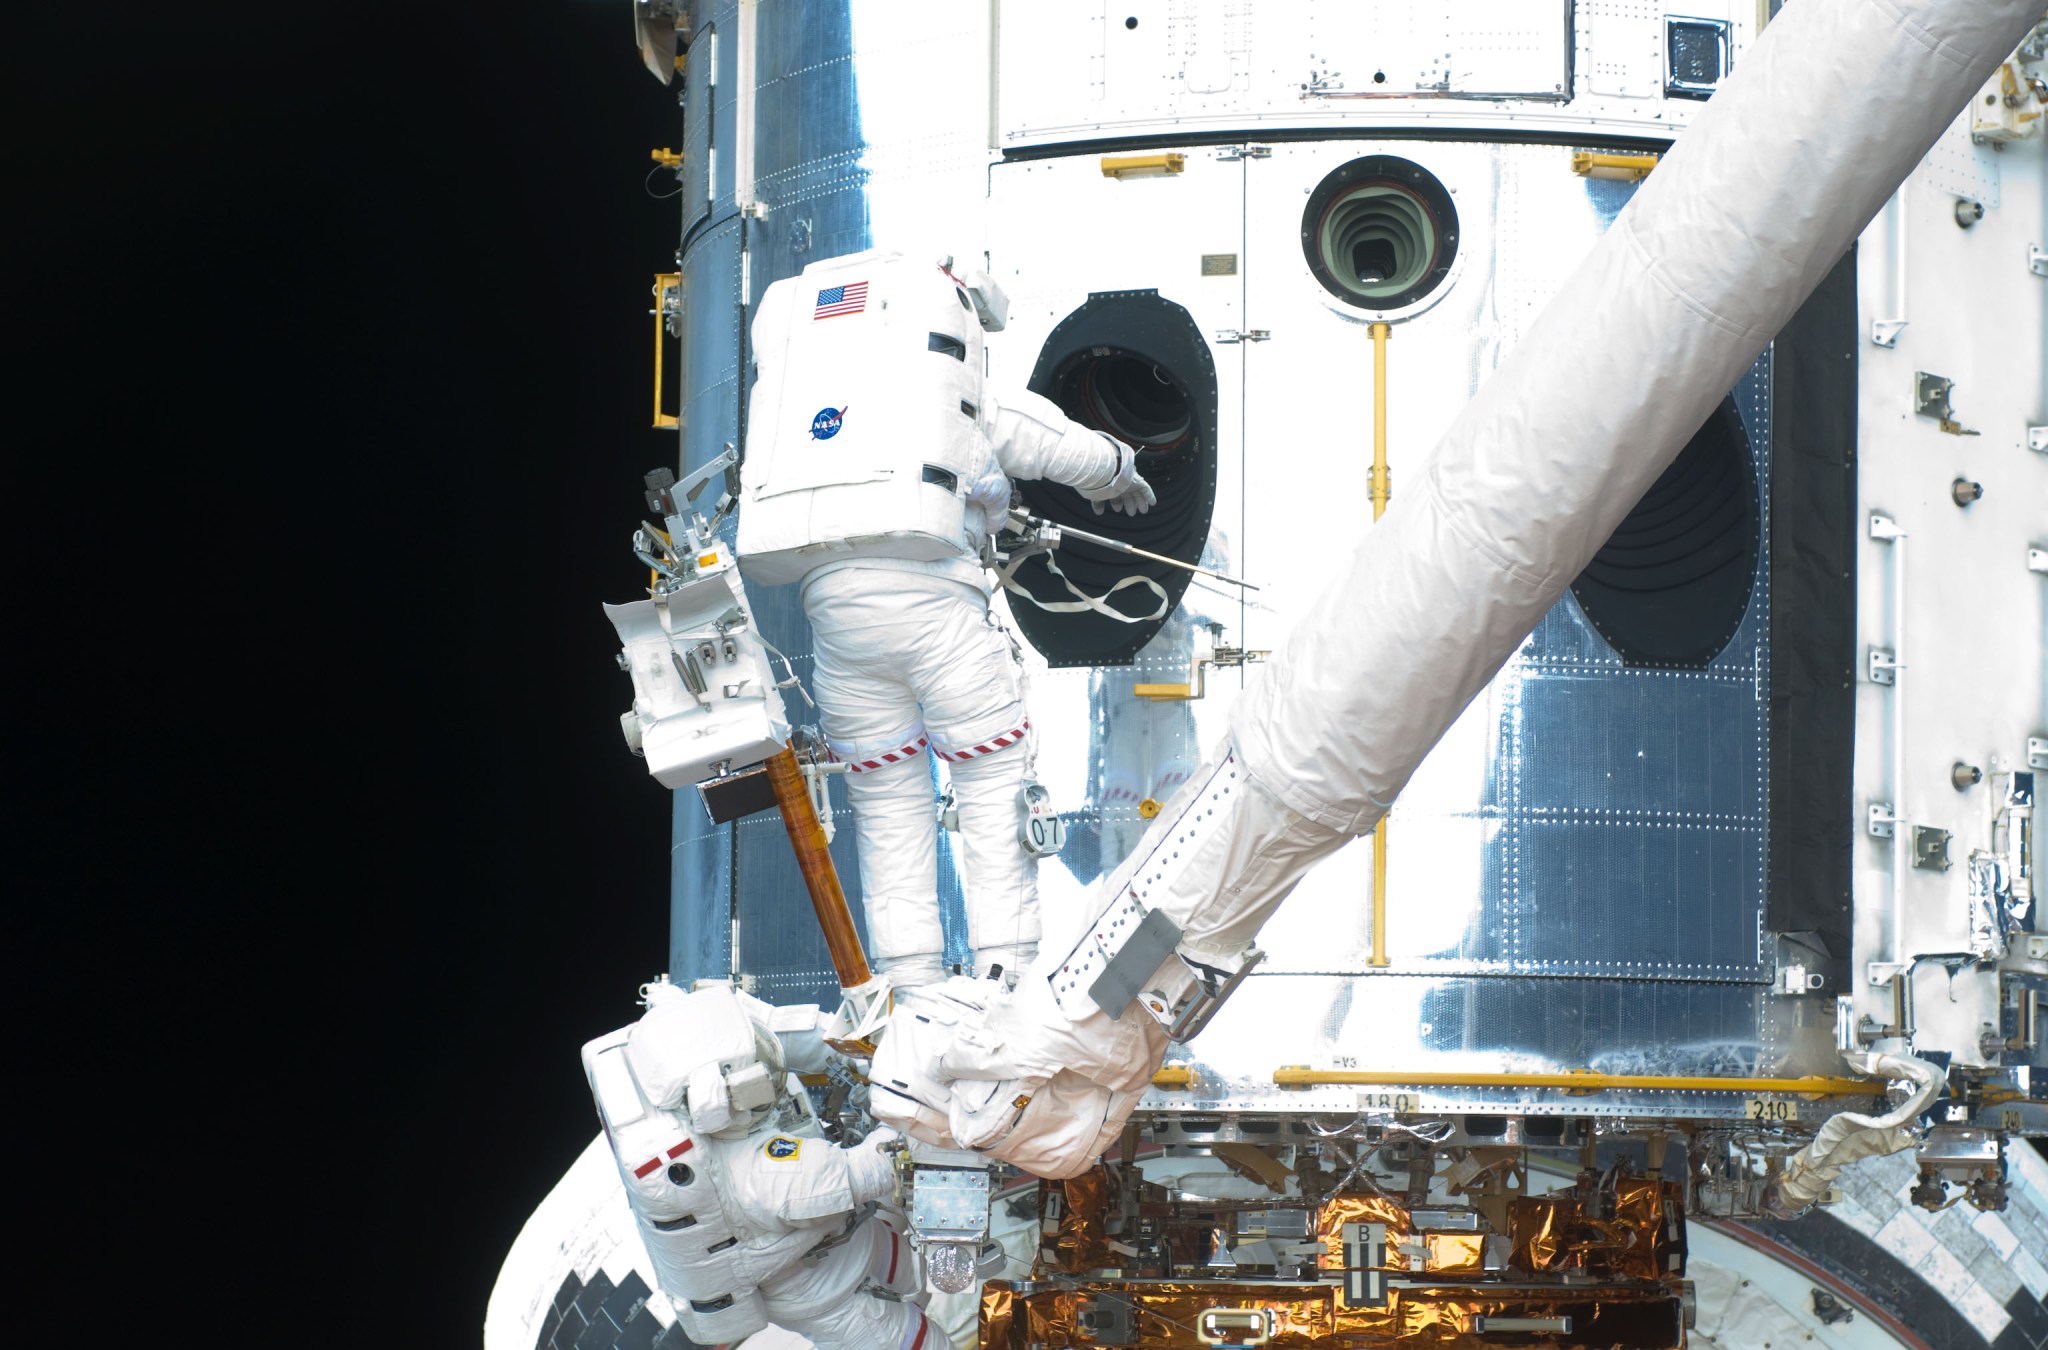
(872, 724)
(968, 682)
(861, 1295)
(1002, 879)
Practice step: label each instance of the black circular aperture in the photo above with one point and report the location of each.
(1130, 397)
(1670, 586)
(1134, 365)
(1380, 232)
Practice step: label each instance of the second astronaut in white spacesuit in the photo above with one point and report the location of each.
(878, 466)
(749, 1215)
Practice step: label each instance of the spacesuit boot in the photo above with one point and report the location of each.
(747, 1212)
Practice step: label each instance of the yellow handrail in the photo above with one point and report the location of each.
(664, 282)
(1602, 164)
(1382, 488)
(1126, 166)
(1301, 1076)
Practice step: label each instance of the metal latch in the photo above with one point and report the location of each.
(1884, 666)
(1930, 399)
(1237, 152)
(1930, 848)
(1880, 820)
(1230, 335)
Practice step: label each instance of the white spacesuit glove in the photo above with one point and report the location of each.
(871, 1172)
(1126, 491)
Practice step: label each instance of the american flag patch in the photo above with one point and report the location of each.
(833, 301)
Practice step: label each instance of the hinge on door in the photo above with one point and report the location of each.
(1243, 334)
(1231, 152)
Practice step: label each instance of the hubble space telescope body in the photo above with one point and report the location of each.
(1634, 826)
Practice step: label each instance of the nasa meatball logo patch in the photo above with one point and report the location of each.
(826, 424)
(782, 1148)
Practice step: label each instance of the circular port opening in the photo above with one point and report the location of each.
(1670, 586)
(1380, 233)
(1130, 397)
(1135, 365)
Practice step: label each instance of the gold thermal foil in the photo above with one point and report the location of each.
(1081, 1244)
(1339, 1210)
(1166, 1312)
(1456, 1253)
(1551, 1234)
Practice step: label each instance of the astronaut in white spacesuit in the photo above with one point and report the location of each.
(878, 467)
(749, 1214)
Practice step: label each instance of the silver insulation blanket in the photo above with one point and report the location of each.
(1828, 112)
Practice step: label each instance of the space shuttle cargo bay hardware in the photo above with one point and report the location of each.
(1668, 885)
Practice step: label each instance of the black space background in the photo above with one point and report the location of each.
(327, 351)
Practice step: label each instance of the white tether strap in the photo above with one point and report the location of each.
(1083, 600)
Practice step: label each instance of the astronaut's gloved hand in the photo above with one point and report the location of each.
(870, 1170)
(1126, 491)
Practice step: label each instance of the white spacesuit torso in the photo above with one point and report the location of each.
(873, 436)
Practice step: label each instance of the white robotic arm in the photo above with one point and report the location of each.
(1751, 209)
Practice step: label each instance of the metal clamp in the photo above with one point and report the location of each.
(1213, 652)
(1184, 1021)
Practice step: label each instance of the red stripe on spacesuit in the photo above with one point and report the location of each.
(895, 1244)
(887, 757)
(922, 1326)
(644, 1168)
(680, 1149)
(993, 744)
